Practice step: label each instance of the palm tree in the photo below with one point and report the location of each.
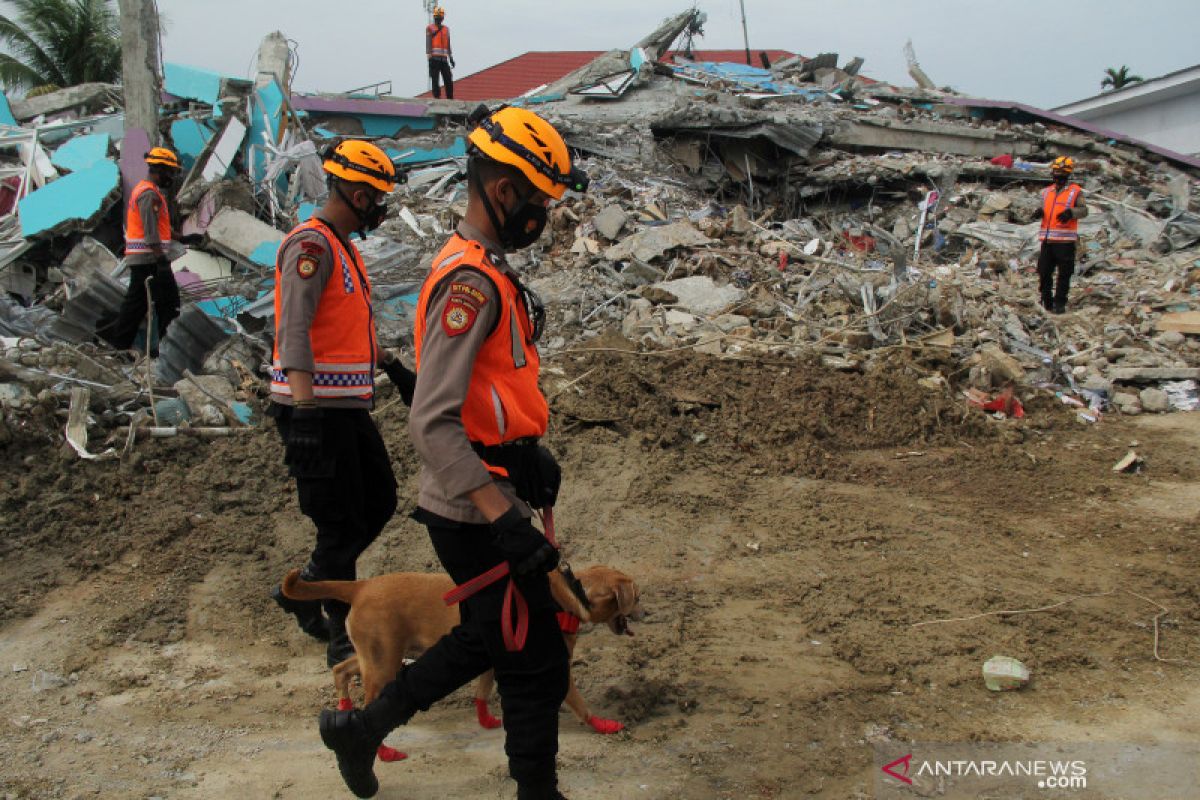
(59, 43)
(1119, 78)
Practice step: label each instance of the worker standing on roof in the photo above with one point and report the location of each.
(441, 57)
(1062, 208)
(476, 419)
(148, 240)
(323, 381)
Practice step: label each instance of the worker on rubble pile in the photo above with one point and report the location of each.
(439, 54)
(476, 419)
(1062, 208)
(148, 242)
(323, 382)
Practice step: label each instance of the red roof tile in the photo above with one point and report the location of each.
(518, 75)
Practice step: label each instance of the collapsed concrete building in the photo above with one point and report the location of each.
(798, 209)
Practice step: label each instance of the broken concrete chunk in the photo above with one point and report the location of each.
(700, 295)
(1155, 401)
(1153, 374)
(610, 221)
(1127, 403)
(654, 242)
(243, 238)
(1000, 364)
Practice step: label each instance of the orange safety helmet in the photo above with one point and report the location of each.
(520, 138)
(361, 162)
(438, 12)
(1063, 164)
(163, 157)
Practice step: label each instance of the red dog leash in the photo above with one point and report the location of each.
(515, 635)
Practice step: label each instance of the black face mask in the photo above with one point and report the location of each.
(371, 218)
(522, 226)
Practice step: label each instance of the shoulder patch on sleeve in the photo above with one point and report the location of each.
(466, 293)
(458, 317)
(306, 265)
(312, 248)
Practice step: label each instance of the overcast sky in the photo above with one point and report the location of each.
(1033, 51)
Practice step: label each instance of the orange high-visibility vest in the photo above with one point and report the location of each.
(504, 402)
(343, 328)
(1054, 202)
(135, 227)
(439, 41)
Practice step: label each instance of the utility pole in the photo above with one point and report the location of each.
(745, 33)
(139, 66)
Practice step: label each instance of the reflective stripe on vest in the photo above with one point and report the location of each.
(439, 41)
(1054, 202)
(504, 402)
(135, 227)
(342, 331)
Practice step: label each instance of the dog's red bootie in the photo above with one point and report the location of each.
(486, 719)
(605, 726)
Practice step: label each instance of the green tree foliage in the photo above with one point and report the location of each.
(58, 43)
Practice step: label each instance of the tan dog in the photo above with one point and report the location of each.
(402, 614)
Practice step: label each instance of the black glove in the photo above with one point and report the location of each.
(452, 64)
(403, 378)
(1039, 213)
(1066, 215)
(303, 449)
(526, 550)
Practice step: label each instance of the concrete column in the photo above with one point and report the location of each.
(139, 66)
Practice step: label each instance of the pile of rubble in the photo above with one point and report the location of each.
(794, 209)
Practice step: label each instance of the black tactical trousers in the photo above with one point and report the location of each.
(123, 330)
(349, 496)
(439, 72)
(1060, 257)
(532, 683)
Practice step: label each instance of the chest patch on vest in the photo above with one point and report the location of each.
(306, 266)
(458, 317)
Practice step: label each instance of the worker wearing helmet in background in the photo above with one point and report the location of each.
(439, 54)
(323, 381)
(1062, 208)
(476, 418)
(148, 240)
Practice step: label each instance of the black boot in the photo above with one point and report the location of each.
(348, 736)
(340, 647)
(539, 791)
(308, 614)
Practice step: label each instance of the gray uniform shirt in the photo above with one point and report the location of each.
(148, 206)
(306, 265)
(450, 468)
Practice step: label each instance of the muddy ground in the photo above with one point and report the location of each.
(787, 525)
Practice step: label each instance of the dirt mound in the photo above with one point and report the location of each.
(782, 419)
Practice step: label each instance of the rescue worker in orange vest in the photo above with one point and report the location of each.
(476, 418)
(323, 381)
(148, 240)
(1062, 208)
(439, 54)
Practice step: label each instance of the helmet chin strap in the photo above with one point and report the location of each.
(360, 215)
(473, 179)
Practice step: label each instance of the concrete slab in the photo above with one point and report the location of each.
(191, 137)
(700, 295)
(81, 152)
(266, 125)
(205, 266)
(75, 198)
(244, 238)
(192, 83)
